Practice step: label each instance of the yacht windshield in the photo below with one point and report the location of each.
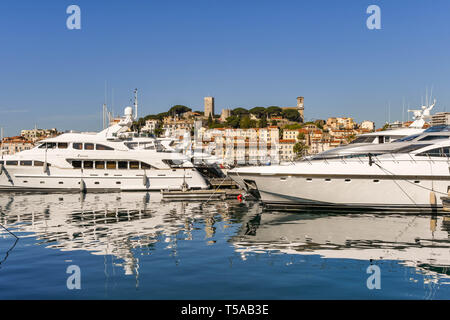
(363, 139)
(440, 128)
(432, 137)
(407, 138)
(410, 148)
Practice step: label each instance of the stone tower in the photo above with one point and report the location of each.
(301, 107)
(209, 106)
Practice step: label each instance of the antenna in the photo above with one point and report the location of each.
(389, 106)
(136, 104)
(403, 110)
(431, 95)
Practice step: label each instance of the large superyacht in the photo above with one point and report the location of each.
(411, 174)
(113, 159)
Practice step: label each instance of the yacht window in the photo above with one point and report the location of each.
(410, 148)
(440, 128)
(408, 138)
(110, 164)
(88, 164)
(134, 164)
(123, 165)
(38, 163)
(173, 163)
(145, 165)
(2, 162)
(88, 146)
(11, 163)
(99, 164)
(48, 145)
(381, 139)
(26, 163)
(77, 145)
(131, 145)
(364, 139)
(428, 138)
(76, 164)
(62, 145)
(437, 152)
(102, 147)
(140, 145)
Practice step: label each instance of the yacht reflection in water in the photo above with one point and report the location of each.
(106, 224)
(127, 225)
(417, 241)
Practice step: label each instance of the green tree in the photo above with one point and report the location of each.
(210, 120)
(263, 122)
(291, 115)
(301, 136)
(300, 149)
(179, 109)
(233, 121)
(259, 112)
(245, 122)
(274, 122)
(274, 110)
(293, 126)
(239, 112)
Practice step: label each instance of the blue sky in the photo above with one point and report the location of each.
(244, 53)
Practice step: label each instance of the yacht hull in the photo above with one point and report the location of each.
(311, 186)
(61, 179)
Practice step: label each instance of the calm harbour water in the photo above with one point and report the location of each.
(133, 246)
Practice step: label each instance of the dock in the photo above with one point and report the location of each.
(223, 183)
(213, 194)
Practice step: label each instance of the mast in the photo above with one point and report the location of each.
(135, 104)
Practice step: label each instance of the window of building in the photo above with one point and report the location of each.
(88, 146)
(110, 164)
(88, 164)
(102, 147)
(99, 164)
(134, 164)
(123, 164)
(77, 145)
(62, 145)
(26, 163)
(76, 164)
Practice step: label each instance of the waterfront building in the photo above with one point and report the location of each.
(12, 145)
(368, 125)
(287, 149)
(150, 126)
(340, 123)
(38, 134)
(440, 118)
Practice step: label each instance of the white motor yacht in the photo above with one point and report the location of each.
(414, 175)
(113, 159)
